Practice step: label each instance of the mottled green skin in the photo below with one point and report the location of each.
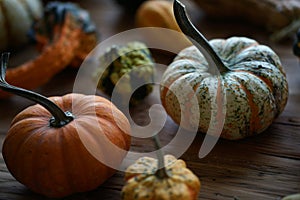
(254, 89)
(131, 63)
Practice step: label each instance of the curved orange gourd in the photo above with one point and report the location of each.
(68, 42)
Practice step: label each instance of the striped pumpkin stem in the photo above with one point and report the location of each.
(197, 38)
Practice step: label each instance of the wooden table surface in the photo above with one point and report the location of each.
(265, 167)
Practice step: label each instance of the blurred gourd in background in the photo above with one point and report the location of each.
(131, 64)
(65, 37)
(16, 18)
(296, 47)
(159, 13)
(281, 18)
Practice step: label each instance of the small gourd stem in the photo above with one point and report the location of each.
(198, 39)
(59, 119)
(161, 172)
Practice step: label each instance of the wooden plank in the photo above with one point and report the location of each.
(263, 167)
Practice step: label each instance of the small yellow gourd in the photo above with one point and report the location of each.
(292, 197)
(156, 14)
(160, 14)
(167, 178)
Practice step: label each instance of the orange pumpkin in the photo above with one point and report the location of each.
(57, 148)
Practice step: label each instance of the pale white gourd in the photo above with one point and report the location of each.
(16, 18)
(240, 84)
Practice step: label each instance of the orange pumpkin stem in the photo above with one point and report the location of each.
(59, 119)
(197, 38)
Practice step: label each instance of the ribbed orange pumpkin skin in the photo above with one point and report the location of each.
(54, 161)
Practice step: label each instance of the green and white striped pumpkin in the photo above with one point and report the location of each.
(255, 85)
(16, 18)
(250, 88)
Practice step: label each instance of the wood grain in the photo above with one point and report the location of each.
(266, 166)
